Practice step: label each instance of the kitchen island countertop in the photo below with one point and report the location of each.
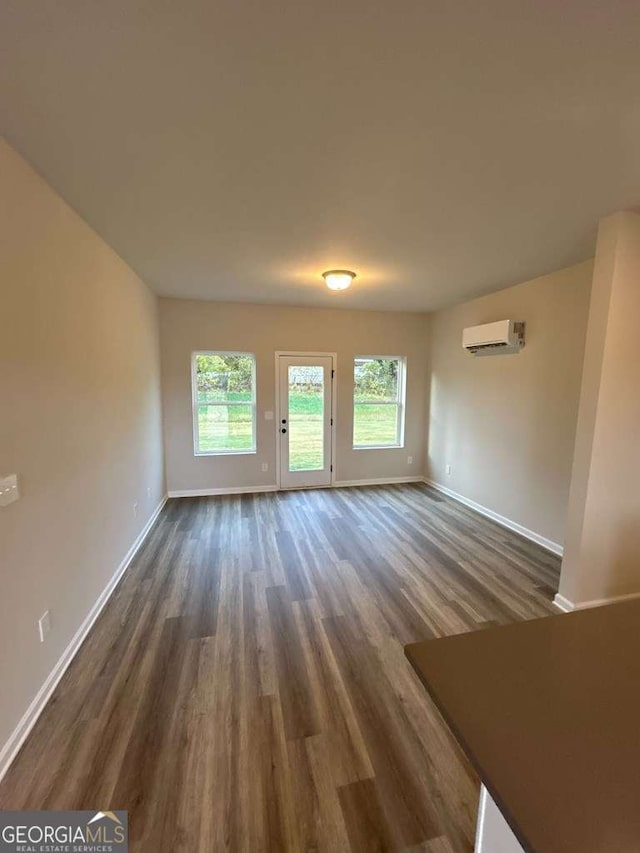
(548, 712)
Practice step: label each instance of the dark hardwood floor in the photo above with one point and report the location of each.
(245, 689)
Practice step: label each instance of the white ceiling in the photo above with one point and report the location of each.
(234, 149)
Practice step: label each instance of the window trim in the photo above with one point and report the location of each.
(400, 402)
(194, 405)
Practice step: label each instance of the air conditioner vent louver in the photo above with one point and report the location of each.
(503, 336)
(488, 346)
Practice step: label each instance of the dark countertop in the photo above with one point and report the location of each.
(548, 712)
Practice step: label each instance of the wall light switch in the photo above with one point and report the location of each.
(448, 469)
(268, 416)
(409, 460)
(265, 466)
(9, 491)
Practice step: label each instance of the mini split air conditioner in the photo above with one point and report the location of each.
(502, 337)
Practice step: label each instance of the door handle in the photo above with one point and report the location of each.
(283, 430)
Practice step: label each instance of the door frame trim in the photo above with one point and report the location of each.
(334, 407)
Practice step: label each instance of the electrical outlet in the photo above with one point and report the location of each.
(449, 470)
(44, 626)
(409, 460)
(135, 509)
(265, 466)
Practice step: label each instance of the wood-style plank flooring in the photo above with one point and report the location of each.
(245, 689)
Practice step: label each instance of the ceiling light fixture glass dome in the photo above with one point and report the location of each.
(338, 279)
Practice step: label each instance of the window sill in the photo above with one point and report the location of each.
(224, 453)
(377, 447)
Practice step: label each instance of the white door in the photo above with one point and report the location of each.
(304, 420)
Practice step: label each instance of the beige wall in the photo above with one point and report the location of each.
(603, 533)
(506, 423)
(263, 329)
(80, 424)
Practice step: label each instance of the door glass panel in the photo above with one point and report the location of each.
(306, 418)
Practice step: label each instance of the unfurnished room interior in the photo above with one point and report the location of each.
(319, 426)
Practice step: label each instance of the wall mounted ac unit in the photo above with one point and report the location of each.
(502, 337)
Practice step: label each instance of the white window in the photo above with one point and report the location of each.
(378, 401)
(224, 402)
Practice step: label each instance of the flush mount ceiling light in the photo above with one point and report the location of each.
(338, 279)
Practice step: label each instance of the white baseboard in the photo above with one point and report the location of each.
(548, 544)
(567, 606)
(562, 603)
(233, 490)
(244, 490)
(30, 716)
(377, 481)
